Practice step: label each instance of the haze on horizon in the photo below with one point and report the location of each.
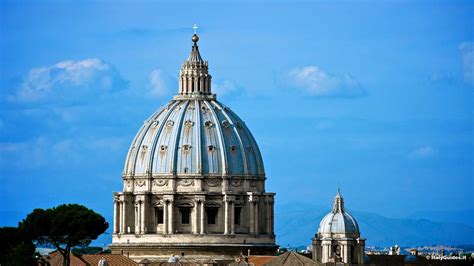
(373, 97)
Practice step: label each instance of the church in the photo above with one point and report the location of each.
(194, 180)
(194, 186)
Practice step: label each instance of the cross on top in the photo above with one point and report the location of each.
(195, 27)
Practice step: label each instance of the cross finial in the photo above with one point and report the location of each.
(195, 27)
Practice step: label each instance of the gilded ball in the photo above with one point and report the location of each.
(195, 38)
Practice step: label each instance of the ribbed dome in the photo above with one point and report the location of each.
(338, 221)
(188, 137)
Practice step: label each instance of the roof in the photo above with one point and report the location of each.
(56, 259)
(260, 260)
(291, 259)
(188, 137)
(338, 220)
(112, 259)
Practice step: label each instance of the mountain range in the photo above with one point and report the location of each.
(296, 224)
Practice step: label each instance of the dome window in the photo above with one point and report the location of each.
(225, 124)
(144, 148)
(249, 148)
(163, 148)
(186, 147)
(204, 108)
(208, 124)
(233, 148)
(154, 124)
(169, 123)
(189, 123)
(211, 148)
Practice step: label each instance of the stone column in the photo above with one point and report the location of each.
(143, 207)
(269, 215)
(202, 218)
(253, 202)
(228, 222)
(252, 218)
(165, 217)
(137, 216)
(256, 217)
(195, 218)
(171, 217)
(232, 217)
(122, 214)
(116, 215)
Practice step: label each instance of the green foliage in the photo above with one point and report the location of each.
(16, 248)
(64, 227)
(86, 250)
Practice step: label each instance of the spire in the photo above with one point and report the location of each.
(194, 78)
(338, 202)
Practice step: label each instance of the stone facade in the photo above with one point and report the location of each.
(193, 181)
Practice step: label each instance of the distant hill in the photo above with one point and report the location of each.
(296, 224)
(465, 216)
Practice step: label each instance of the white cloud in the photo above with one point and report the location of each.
(467, 52)
(158, 85)
(422, 152)
(69, 80)
(316, 82)
(223, 88)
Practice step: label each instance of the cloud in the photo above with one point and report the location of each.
(316, 82)
(69, 81)
(223, 88)
(467, 53)
(422, 152)
(158, 84)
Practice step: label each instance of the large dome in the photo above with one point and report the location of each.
(194, 137)
(193, 181)
(338, 221)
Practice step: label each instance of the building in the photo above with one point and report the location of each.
(194, 181)
(338, 237)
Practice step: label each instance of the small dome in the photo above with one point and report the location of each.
(338, 221)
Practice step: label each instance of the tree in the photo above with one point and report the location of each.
(16, 248)
(64, 227)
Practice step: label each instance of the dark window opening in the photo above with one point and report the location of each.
(237, 211)
(159, 216)
(211, 215)
(185, 214)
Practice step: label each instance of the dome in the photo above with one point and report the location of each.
(338, 221)
(194, 136)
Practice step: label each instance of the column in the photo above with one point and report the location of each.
(165, 217)
(203, 228)
(171, 217)
(195, 222)
(228, 209)
(232, 218)
(269, 214)
(142, 216)
(252, 218)
(116, 215)
(122, 214)
(256, 218)
(137, 217)
(226, 217)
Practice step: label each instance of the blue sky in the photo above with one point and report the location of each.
(375, 97)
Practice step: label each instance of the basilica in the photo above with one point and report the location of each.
(194, 187)
(193, 181)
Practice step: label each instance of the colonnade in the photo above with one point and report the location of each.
(140, 207)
